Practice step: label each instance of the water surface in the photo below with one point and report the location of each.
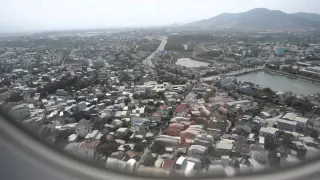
(281, 83)
(187, 62)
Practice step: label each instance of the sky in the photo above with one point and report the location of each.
(47, 15)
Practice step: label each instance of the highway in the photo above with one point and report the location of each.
(148, 60)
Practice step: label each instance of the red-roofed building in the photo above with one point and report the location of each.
(182, 110)
(164, 107)
(157, 116)
(168, 164)
(174, 129)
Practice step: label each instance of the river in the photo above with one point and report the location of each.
(187, 62)
(281, 83)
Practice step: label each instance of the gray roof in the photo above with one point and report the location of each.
(225, 146)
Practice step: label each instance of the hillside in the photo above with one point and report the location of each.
(309, 16)
(258, 19)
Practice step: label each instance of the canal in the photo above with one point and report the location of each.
(281, 83)
(187, 62)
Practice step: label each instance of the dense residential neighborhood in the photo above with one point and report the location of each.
(132, 100)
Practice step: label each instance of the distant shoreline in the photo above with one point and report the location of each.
(315, 81)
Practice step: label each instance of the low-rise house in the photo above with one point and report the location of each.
(181, 110)
(174, 129)
(265, 131)
(204, 140)
(197, 150)
(289, 116)
(302, 123)
(122, 132)
(287, 125)
(91, 136)
(223, 148)
(157, 116)
(72, 138)
(82, 128)
(168, 141)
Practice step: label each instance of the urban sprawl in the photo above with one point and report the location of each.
(132, 101)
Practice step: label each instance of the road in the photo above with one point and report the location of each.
(148, 60)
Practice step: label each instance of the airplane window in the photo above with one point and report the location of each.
(164, 87)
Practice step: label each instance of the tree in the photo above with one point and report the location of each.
(314, 134)
(269, 143)
(126, 101)
(15, 97)
(158, 148)
(287, 138)
(267, 91)
(139, 147)
(107, 149)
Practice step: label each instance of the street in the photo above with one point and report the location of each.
(148, 60)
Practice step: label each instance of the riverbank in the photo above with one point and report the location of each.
(293, 76)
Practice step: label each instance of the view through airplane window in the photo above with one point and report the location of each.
(177, 88)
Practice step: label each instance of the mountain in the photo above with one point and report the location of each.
(308, 16)
(258, 19)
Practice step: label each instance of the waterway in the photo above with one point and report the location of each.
(281, 83)
(187, 62)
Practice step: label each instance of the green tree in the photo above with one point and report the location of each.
(314, 134)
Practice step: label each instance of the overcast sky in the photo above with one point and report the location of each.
(29, 15)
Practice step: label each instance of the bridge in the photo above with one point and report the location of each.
(243, 71)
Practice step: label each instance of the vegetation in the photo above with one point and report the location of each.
(209, 94)
(301, 105)
(175, 42)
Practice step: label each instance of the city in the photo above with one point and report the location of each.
(168, 101)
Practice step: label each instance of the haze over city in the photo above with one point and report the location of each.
(44, 15)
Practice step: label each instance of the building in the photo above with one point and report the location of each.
(197, 150)
(83, 128)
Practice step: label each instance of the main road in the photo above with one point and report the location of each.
(148, 60)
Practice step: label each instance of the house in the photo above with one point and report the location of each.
(287, 125)
(157, 116)
(83, 128)
(84, 149)
(242, 103)
(224, 148)
(168, 164)
(204, 140)
(92, 135)
(190, 134)
(197, 150)
(174, 129)
(140, 111)
(289, 116)
(122, 132)
(309, 141)
(181, 110)
(72, 138)
(61, 92)
(168, 141)
(265, 115)
(264, 131)
(302, 123)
